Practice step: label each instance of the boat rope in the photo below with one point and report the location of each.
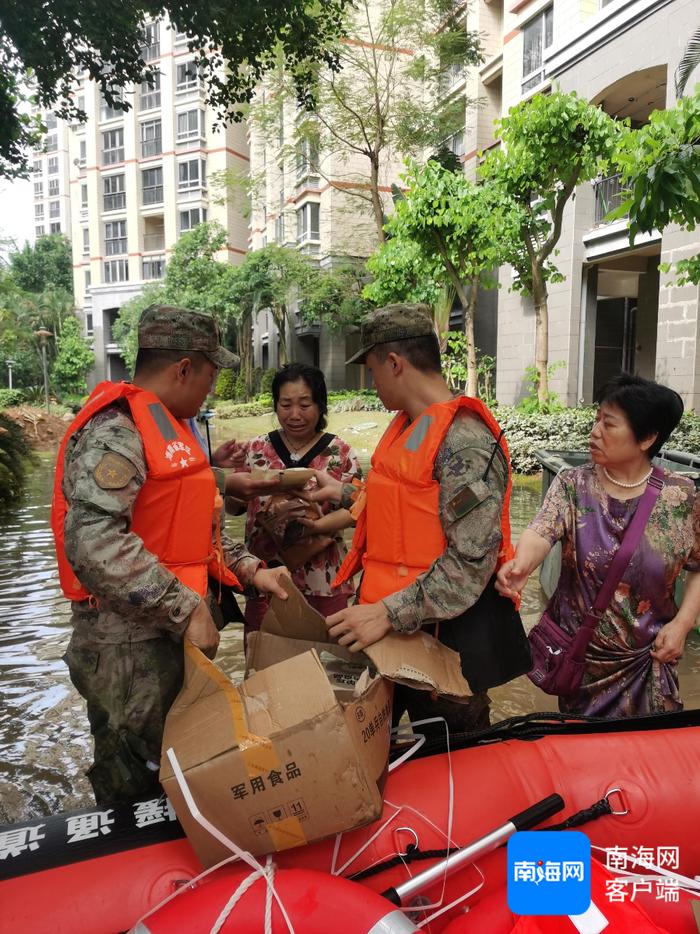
(599, 809)
(411, 855)
(233, 901)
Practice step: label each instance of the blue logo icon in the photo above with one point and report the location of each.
(549, 872)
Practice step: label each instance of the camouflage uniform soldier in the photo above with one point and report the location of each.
(401, 350)
(125, 655)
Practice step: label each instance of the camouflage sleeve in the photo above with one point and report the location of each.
(470, 513)
(236, 555)
(104, 472)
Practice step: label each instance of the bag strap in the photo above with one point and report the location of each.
(624, 553)
(284, 455)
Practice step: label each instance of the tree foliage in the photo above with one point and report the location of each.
(49, 44)
(551, 144)
(74, 360)
(46, 265)
(660, 167)
(461, 232)
(383, 100)
(334, 299)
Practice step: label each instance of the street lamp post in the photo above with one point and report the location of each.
(10, 364)
(43, 336)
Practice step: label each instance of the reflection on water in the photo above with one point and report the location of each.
(44, 741)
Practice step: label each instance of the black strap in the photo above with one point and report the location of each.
(284, 453)
(412, 854)
(599, 809)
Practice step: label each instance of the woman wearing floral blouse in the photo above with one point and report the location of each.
(632, 659)
(300, 400)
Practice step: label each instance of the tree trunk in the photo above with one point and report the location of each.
(539, 297)
(279, 313)
(469, 306)
(245, 332)
(377, 206)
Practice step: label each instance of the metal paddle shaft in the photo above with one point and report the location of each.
(530, 817)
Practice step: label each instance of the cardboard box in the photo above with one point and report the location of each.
(299, 750)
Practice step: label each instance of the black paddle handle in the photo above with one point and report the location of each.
(534, 815)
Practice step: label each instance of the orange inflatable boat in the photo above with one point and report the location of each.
(634, 787)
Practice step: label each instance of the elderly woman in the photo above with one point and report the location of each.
(300, 400)
(631, 665)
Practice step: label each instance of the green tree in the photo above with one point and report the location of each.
(551, 144)
(73, 361)
(48, 45)
(384, 98)
(334, 299)
(401, 272)
(462, 232)
(660, 167)
(46, 265)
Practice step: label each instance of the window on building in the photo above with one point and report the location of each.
(115, 238)
(109, 111)
(190, 125)
(54, 208)
(150, 93)
(51, 142)
(180, 38)
(52, 165)
(308, 227)
(82, 158)
(83, 198)
(39, 212)
(455, 143)
(537, 36)
(113, 193)
(186, 77)
(191, 218)
(307, 160)
(80, 102)
(55, 227)
(152, 185)
(112, 147)
(89, 328)
(53, 188)
(86, 241)
(37, 167)
(153, 267)
(151, 139)
(51, 121)
(191, 175)
(39, 231)
(116, 270)
(38, 189)
(150, 48)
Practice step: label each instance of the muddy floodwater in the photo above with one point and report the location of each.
(45, 745)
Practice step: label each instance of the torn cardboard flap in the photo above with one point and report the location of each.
(417, 660)
(420, 661)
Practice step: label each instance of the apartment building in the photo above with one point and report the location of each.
(50, 175)
(133, 181)
(614, 310)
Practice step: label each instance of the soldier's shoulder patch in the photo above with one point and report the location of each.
(468, 498)
(114, 472)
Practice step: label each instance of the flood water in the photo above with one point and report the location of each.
(45, 745)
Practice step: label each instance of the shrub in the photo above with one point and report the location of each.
(10, 397)
(563, 430)
(14, 451)
(226, 410)
(226, 385)
(362, 400)
(266, 380)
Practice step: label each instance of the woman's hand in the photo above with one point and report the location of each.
(511, 578)
(244, 486)
(332, 522)
(669, 642)
(230, 454)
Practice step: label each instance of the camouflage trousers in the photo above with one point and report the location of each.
(460, 718)
(129, 689)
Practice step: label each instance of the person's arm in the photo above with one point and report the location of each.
(531, 551)
(104, 475)
(670, 640)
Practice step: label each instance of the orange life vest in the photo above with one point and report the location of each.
(178, 505)
(399, 533)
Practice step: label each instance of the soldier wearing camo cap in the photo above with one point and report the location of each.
(135, 516)
(432, 522)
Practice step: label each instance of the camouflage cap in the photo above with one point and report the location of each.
(393, 323)
(165, 327)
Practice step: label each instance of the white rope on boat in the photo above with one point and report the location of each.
(233, 901)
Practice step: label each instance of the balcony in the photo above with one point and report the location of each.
(609, 195)
(153, 242)
(304, 328)
(151, 147)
